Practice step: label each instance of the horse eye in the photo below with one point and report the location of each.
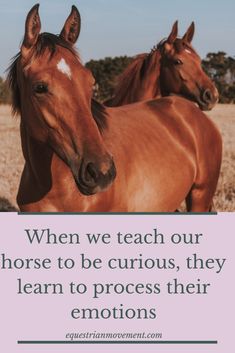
(40, 88)
(178, 62)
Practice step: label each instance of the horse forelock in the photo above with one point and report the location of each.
(50, 42)
(13, 85)
(99, 114)
(179, 46)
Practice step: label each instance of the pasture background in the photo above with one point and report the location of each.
(11, 159)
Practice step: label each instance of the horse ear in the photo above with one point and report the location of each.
(174, 32)
(32, 29)
(188, 37)
(72, 26)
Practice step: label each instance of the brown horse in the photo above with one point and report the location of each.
(172, 67)
(163, 150)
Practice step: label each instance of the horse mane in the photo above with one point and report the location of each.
(179, 46)
(130, 80)
(99, 114)
(13, 85)
(48, 41)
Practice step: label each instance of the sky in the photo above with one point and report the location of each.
(122, 27)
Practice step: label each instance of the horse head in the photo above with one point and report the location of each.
(181, 70)
(52, 90)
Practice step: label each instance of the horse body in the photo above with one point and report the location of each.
(162, 159)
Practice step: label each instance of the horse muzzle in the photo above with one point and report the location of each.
(95, 177)
(208, 99)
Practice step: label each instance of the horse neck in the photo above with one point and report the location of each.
(141, 83)
(151, 78)
(37, 157)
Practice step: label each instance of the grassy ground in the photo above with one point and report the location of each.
(224, 117)
(11, 160)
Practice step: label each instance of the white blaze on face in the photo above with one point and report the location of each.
(63, 67)
(188, 51)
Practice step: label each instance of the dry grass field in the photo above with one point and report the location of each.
(11, 160)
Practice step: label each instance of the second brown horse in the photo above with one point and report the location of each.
(172, 67)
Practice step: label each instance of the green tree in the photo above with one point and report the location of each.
(221, 68)
(106, 72)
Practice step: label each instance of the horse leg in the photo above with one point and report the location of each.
(212, 209)
(200, 199)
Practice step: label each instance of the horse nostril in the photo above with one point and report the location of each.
(112, 171)
(97, 174)
(91, 173)
(207, 96)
